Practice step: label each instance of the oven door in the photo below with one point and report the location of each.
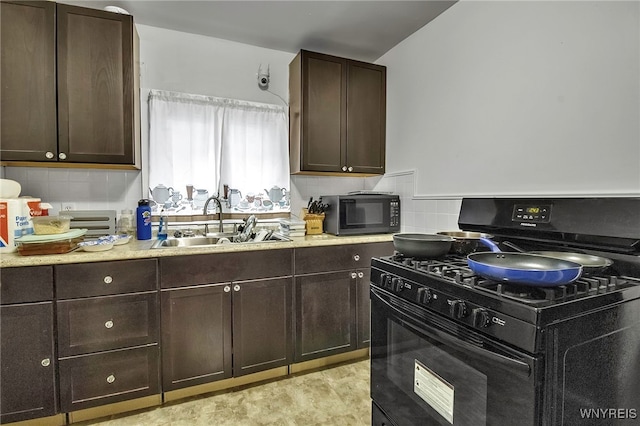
(428, 370)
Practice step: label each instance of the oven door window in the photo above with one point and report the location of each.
(427, 370)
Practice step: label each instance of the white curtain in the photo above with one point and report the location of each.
(185, 140)
(208, 142)
(255, 153)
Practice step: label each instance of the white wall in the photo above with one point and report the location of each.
(513, 98)
(518, 98)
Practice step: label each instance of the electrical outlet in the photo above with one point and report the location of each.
(67, 207)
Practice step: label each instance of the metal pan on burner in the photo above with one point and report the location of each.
(590, 263)
(423, 246)
(464, 242)
(523, 268)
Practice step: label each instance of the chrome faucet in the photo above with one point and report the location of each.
(204, 212)
(250, 223)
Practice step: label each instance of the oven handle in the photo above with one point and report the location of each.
(515, 364)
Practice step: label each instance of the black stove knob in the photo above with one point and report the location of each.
(397, 284)
(458, 309)
(424, 296)
(383, 279)
(480, 318)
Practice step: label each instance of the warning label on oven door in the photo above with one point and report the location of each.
(434, 390)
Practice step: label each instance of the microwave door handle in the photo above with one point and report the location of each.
(514, 364)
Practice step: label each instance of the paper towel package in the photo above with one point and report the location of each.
(15, 220)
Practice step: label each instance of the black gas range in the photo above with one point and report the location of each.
(448, 345)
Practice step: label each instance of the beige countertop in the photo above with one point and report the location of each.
(142, 250)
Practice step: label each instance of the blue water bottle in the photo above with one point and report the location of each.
(143, 220)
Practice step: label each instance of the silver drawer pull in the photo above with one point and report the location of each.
(108, 324)
(353, 275)
(45, 362)
(108, 279)
(62, 156)
(111, 378)
(227, 288)
(356, 257)
(236, 287)
(360, 274)
(49, 155)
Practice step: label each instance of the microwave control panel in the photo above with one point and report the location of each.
(394, 215)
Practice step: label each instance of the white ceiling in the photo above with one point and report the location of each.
(363, 30)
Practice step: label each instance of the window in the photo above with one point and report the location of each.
(209, 142)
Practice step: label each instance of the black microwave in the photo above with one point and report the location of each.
(357, 214)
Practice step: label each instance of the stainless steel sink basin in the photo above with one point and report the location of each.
(210, 240)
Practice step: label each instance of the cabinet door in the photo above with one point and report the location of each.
(95, 86)
(366, 117)
(262, 336)
(28, 79)
(196, 335)
(363, 308)
(27, 376)
(323, 112)
(325, 315)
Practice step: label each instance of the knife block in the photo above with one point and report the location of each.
(313, 222)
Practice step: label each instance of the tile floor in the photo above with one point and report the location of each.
(332, 396)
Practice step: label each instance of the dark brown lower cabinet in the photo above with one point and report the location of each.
(325, 315)
(108, 377)
(196, 335)
(262, 336)
(217, 331)
(27, 359)
(364, 308)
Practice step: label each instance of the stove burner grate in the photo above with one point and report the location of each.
(454, 269)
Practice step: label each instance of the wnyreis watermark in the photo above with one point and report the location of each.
(609, 413)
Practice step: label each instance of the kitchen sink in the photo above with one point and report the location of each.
(211, 240)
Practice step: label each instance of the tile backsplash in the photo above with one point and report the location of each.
(86, 189)
(89, 189)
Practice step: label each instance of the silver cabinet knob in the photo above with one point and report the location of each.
(236, 287)
(108, 279)
(111, 378)
(353, 275)
(62, 156)
(45, 362)
(360, 274)
(344, 168)
(49, 155)
(350, 169)
(356, 257)
(108, 324)
(227, 288)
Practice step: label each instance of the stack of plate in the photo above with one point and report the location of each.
(65, 242)
(292, 227)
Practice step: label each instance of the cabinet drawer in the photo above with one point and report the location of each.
(28, 284)
(105, 378)
(181, 271)
(103, 278)
(104, 323)
(335, 258)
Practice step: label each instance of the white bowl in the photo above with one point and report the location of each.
(9, 188)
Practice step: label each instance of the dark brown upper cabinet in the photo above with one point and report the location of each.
(70, 86)
(337, 115)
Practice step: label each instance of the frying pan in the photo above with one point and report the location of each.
(422, 245)
(523, 268)
(464, 242)
(589, 262)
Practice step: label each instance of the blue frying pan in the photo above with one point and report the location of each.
(522, 268)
